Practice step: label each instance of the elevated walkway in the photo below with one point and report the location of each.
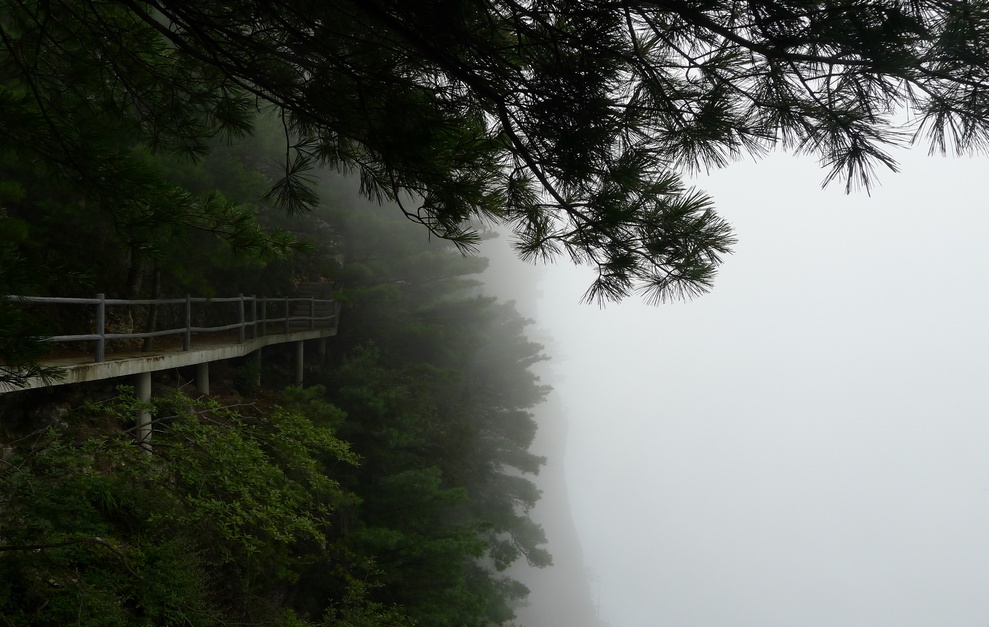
(299, 320)
(81, 369)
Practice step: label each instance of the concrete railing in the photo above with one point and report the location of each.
(253, 317)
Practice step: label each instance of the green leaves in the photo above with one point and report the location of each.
(226, 512)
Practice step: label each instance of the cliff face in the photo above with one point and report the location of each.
(561, 595)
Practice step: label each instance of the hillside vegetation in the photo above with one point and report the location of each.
(391, 491)
(395, 489)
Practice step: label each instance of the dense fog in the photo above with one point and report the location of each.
(806, 444)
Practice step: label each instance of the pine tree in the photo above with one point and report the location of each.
(571, 122)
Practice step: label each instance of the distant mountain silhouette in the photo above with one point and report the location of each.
(561, 594)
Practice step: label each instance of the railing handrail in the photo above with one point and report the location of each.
(60, 300)
(242, 324)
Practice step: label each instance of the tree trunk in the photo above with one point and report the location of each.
(152, 309)
(135, 273)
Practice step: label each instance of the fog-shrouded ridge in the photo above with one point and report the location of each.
(562, 594)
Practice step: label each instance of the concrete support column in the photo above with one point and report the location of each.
(257, 361)
(299, 354)
(202, 378)
(143, 418)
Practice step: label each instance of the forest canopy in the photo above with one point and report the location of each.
(570, 122)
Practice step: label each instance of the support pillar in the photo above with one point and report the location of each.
(299, 354)
(202, 378)
(257, 366)
(143, 419)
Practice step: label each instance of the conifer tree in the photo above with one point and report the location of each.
(571, 122)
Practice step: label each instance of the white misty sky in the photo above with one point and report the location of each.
(807, 445)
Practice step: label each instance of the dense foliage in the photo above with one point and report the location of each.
(396, 494)
(215, 524)
(393, 493)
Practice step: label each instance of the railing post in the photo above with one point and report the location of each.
(101, 328)
(264, 315)
(254, 316)
(187, 339)
(312, 313)
(240, 318)
(286, 316)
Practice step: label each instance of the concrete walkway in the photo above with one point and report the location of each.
(123, 363)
